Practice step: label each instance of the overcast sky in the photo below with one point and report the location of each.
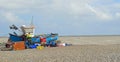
(65, 17)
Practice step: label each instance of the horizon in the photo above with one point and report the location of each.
(74, 36)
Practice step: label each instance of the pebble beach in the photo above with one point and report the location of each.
(84, 49)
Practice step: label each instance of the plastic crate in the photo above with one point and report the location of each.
(19, 45)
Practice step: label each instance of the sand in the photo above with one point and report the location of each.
(102, 49)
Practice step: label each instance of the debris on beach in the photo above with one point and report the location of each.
(27, 40)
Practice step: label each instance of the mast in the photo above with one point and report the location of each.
(32, 26)
(31, 22)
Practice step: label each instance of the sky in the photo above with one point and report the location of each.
(65, 17)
